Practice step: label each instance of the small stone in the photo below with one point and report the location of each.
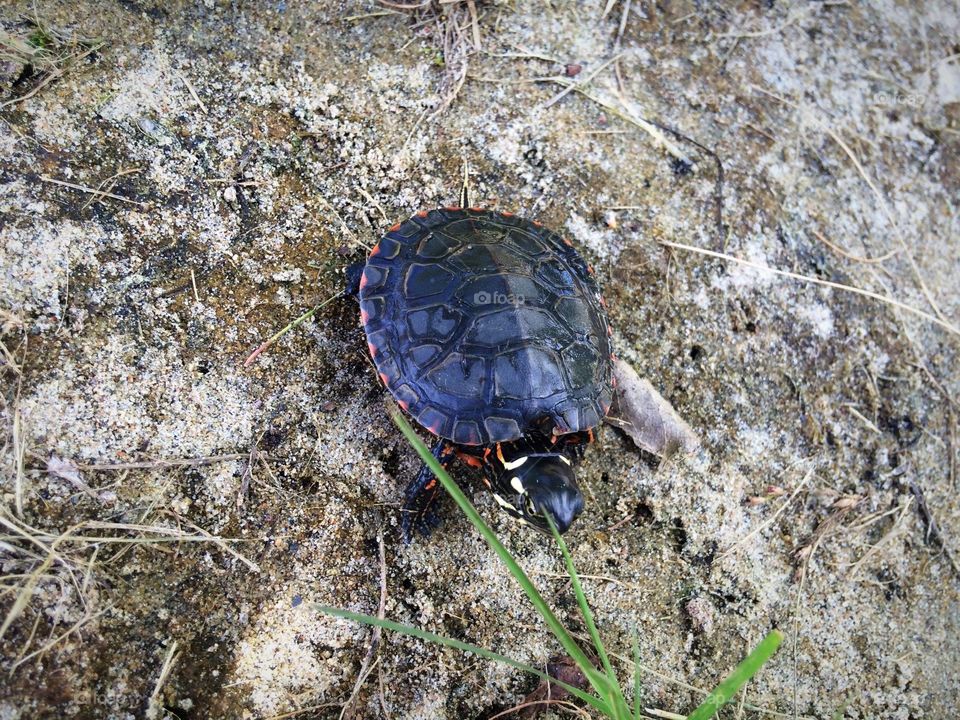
(290, 275)
(701, 612)
(230, 194)
(572, 69)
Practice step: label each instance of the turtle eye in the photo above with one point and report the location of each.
(529, 507)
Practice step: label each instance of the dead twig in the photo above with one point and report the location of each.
(367, 665)
(933, 534)
(158, 464)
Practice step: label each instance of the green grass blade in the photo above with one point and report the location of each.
(741, 673)
(618, 699)
(599, 682)
(594, 702)
(842, 710)
(636, 674)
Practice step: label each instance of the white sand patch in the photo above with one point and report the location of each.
(35, 260)
(743, 277)
(818, 316)
(150, 89)
(126, 398)
(278, 660)
(601, 240)
(948, 82)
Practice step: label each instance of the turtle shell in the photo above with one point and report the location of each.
(486, 327)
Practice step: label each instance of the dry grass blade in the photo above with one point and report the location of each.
(19, 451)
(881, 201)
(108, 184)
(629, 116)
(367, 666)
(541, 704)
(165, 534)
(59, 67)
(69, 558)
(193, 94)
(772, 519)
(896, 530)
(51, 555)
(850, 256)
(666, 715)
(159, 464)
(154, 706)
(952, 329)
(55, 641)
(456, 54)
(97, 193)
(795, 15)
(579, 85)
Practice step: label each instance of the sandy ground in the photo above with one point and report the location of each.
(252, 149)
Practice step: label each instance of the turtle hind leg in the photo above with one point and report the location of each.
(421, 494)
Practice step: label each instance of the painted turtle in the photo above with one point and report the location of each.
(490, 331)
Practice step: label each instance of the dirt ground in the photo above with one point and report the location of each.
(179, 180)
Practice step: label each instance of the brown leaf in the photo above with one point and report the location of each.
(650, 421)
(564, 669)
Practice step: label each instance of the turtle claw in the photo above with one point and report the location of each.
(423, 524)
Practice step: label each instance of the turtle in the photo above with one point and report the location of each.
(490, 331)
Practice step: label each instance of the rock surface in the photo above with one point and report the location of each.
(251, 150)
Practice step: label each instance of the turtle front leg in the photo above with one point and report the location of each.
(353, 274)
(421, 493)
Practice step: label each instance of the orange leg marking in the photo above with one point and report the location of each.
(471, 460)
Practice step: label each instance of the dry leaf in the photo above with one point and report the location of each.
(564, 669)
(650, 421)
(68, 470)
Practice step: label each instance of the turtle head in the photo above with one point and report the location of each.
(531, 485)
